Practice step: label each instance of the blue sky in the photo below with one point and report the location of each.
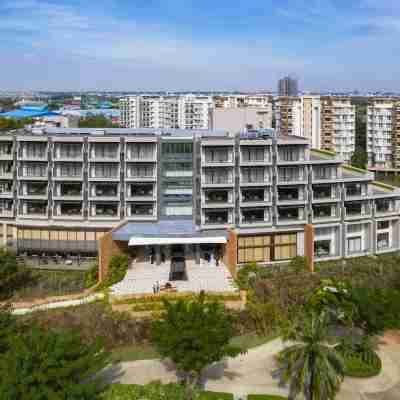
(202, 44)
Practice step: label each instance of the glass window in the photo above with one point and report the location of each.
(354, 245)
(322, 248)
(383, 240)
(383, 225)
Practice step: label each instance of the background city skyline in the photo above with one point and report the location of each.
(176, 44)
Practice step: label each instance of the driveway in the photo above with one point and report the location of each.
(251, 373)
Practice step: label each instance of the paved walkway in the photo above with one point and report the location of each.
(251, 373)
(141, 277)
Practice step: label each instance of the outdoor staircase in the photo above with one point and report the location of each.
(141, 277)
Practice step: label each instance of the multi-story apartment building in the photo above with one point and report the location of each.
(327, 121)
(247, 197)
(244, 100)
(383, 115)
(288, 86)
(184, 112)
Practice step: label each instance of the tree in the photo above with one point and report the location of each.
(194, 334)
(12, 275)
(310, 366)
(43, 364)
(7, 326)
(359, 159)
(96, 121)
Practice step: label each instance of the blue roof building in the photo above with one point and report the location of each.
(30, 111)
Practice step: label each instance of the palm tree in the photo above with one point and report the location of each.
(311, 366)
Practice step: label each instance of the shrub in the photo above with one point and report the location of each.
(12, 275)
(359, 362)
(116, 270)
(92, 276)
(117, 329)
(298, 264)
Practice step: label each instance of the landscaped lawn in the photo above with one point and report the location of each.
(215, 396)
(50, 283)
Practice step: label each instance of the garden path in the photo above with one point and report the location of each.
(251, 373)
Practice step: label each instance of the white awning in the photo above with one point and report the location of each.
(176, 240)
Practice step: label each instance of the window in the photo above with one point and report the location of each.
(285, 246)
(354, 228)
(383, 225)
(254, 249)
(383, 240)
(354, 245)
(322, 248)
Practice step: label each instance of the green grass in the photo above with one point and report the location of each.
(147, 352)
(265, 397)
(215, 396)
(156, 391)
(358, 365)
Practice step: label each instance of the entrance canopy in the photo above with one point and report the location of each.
(165, 232)
(176, 240)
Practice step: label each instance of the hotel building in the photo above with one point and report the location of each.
(249, 197)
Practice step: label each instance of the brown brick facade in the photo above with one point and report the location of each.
(230, 256)
(309, 232)
(107, 249)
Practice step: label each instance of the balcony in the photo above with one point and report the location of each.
(34, 190)
(254, 197)
(255, 217)
(104, 211)
(104, 152)
(141, 211)
(255, 176)
(70, 171)
(7, 209)
(217, 198)
(325, 212)
(219, 156)
(104, 191)
(70, 191)
(216, 218)
(291, 195)
(322, 174)
(6, 170)
(357, 209)
(355, 191)
(141, 173)
(33, 171)
(325, 193)
(291, 175)
(104, 172)
(6, 189)
(255, 155)
(141, 152)
(142, 192)
(33, 151)
(385, 207)
(68, 152)
(6, 151)
(217, 178)
(33, 209)
(291, 215)
(291, 154)
(68, 210)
